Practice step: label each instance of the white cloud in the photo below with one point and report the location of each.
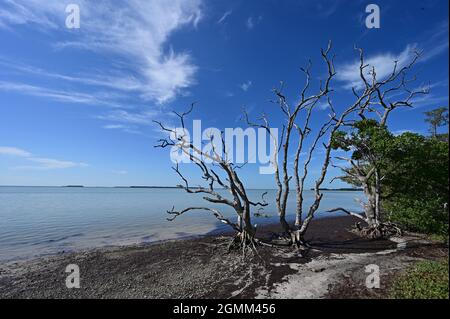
(436, 50)
(224, 16)
(48, 163)
(99, 98)
(132, 121)
(323, 106)
(122, 116)
(16, 12)
(432, 44)
(436, 42)
(135, 32)
(252, 22)
(430, 100)
(246, 86)
(41, 163)
(120, 172)
(121, 82)
(124, 128)
(114, 127)
(383, 63)
(14, 151)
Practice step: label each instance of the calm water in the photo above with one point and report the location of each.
(38, 221)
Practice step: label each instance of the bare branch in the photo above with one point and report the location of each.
(347, 212)
(215, 212)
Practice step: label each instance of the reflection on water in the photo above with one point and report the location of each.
(48, 220)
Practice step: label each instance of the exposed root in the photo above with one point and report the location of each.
(298, 243)
(244, 241)
(379, 231)
(293, 239)
(374, 230)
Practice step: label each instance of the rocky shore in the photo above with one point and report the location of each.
(335, 267)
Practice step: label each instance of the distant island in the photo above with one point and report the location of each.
(82, 186)
(152, 187)
(341, 189)
(194, 187)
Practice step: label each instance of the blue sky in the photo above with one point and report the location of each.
(76, 105)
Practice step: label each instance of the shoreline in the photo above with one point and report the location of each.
(264, 228)
(202, 268)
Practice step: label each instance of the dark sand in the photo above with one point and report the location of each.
(202, 268)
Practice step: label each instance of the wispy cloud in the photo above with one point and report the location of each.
(133, 122)
(99, 98)
(224, 17)
(246, 86)
(120, 172)
(433, 44)
(49, 163)
(108, 98)
(135, 32)
(132, 129)
(252, 22)
(436, 42)
(383, 64)
(326, 9)
(14, 12)
(430, 100)
(14, 151)
(39, 163)
(323, 106)
(121, 82)
(319, 9)
(114, 126)
(122, 116)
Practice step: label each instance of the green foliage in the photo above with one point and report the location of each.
(415, 189)
(426, 280)
(367, 139)
(417, 165)
(418, 215)
(414, 169)
(339, 141)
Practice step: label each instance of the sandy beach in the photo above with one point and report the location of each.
(202, 268)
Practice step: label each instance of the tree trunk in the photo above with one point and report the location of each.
(248, 227)
(285, 225)
(298, 216)
(377, 196)
(370, 206)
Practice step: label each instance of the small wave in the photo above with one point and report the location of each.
(49, 241)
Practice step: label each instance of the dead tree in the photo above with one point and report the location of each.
(219, 173)
(294, 234)
(306, 105)
(389, 94)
